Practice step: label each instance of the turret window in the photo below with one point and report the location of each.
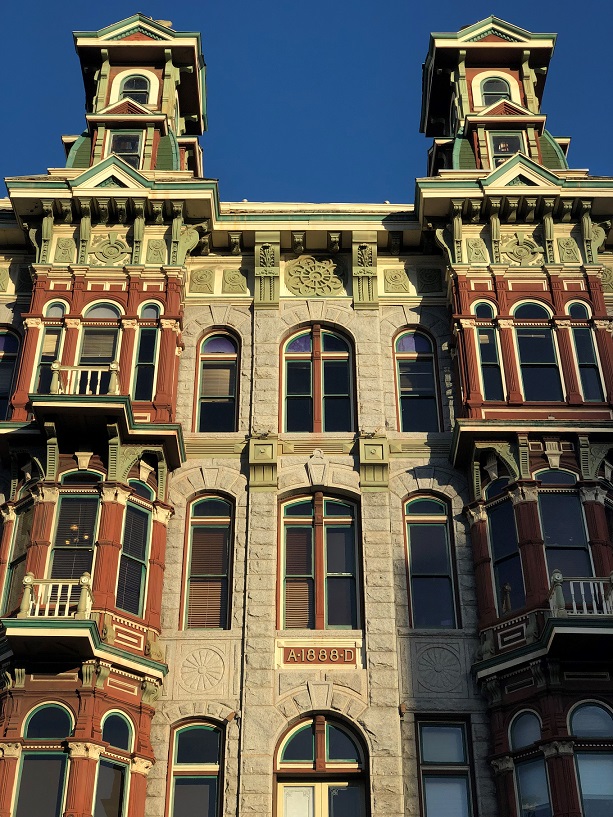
(136, 88)
(128, 146)
(505, 145)
(494, 89)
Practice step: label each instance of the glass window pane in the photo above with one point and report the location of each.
(487, 345)
(536, 345)
(570, 563)
(340, 745)
(337, 414)
(41, 785)
(143, 388)
(413, 342)
(116, 731)
(150, 312)
(195, 796)
(578, 311)
(212, 507)
(596, 783)
(219, 345)
(506, 144)
(345, 801)
(525, 731)
(304, 508)
(556, 477)
(341, 602)
(340, 550)
(508, 573)
(110, 790)
(442, 743)
(419, 414)
(591, 383)
(432, 600)
(298, 801)
(299, 414)
(102, 311)
(446, 796)
(336, 377)
(332, 343)
(503, 533)
(532, 789)
(592, 721)
(542, 383)
(218, 378)
(198, 744)
(416, 376)
(300, 746)
(146, 347)
(217, 414)
(298, 377)
(333, 508)
(298, 551)
(49, 723)
(426, 507)
(429, 550)
(484, 310)
(584, 345)
(492, 383)
(300, 344)
(562, 519)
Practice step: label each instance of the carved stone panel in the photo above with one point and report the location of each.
(234, 282)
(314, 277)
(109, 251)
(429, 280)
(476, 251)
(521, 250)
(396, 280)
(202, 280)
(569, 251)
(156, 251)
(65, 251)
(202, 670)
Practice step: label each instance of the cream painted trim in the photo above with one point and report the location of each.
(478, 79)
(154, 84)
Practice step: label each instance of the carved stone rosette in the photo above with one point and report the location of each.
(314, 277)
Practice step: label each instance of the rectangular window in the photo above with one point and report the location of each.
(490, 364)
(74, 537)
(133, 562)
(17, 565)
(144, 376)
(128, 146)
(110, 789)
(589, 373)
(504, 145)
(444, 770)
(41, 785)
(50, 352)
(508, 576)
(539, 366)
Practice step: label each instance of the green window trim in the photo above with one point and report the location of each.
(134, 560)
(145, 365)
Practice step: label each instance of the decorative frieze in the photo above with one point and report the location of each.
(314, 277)
(234, 282)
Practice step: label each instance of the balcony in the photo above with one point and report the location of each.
(579, 596)
(56, 598)
(84, 380)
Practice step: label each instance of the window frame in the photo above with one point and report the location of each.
(21, 507)
(195, 770)
(317, 358)
(436, 395)
(126, 132)
(555, 365)
(505, 96)
(11, 357)
(447, 769)
(585, 324)
(319, 522)
(146, 325)
(491, 503)
(490, 326)
(74, 492)
(122, 94)
(116, 756)
(442, 520)
(199, 398)
(144, 506)
(497, 158)
(590, 746)
(106, 324)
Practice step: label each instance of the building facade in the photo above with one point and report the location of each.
(307, 508)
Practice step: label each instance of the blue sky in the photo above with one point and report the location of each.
(307, 102)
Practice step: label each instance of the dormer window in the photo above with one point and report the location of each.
(505, 145)
(136, 88)
(128, 146)
(494, 89)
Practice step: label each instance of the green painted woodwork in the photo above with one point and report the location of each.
(168, 153)
(81, 152)
(463, 155)
(551, 153)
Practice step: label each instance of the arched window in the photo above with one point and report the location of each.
(592, 727)
(320, 564)
(110, 799)
(430, 563)
(135, 87)
(489, 353)
(540, 371)
(506, 561)
(50, 348)
(146, 354)
(196, 771)
(42, 777)
(318, 382)
(563, 524)
(585, 351)
(9, 347)
(494, 89)
(132, 578)
(208, 573)
(17, 564)
(531, 774)
(416, 383)
(99, 352)
(321, 771)
(217, 404)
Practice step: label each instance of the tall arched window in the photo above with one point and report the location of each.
(17, 563)
(494, 89)
(99, 351)
(208, 571)
(9, 347)
(132, 578)
(430, 563)
(320, 564)
(540, 370)
(585, 351)
(318, 382)
(110, 799)
(530, 774)
(196, 771)
(321, 771)
(592, 727)
(42, 776)
(146, 353)
(416, 383)
(50, 346)
(217, 403)
(489, 354)
(506, 561)
(135, 87)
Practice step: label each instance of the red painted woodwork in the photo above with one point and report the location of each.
(505, 794)
(531, 548)
(510, 364)
(108, 549)
(165, 373)
(563, 786)
(153, 607)
(126, 355)
(8, 778)
(605, 352)
(40, 541)
(26, 368)
(482, 561)
(138, 794)
(6, 539)
(473, 391)
(569, 368)
(80, 788)
(598, 535)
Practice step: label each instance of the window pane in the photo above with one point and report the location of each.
(426, 507)
(195, 796)
(300, 746)
(298, 551)
(199, 744)
(76, 523)
(41, 785)
(116, 732)
(570, 563)
(109, 790)
(428, 548)
(416, 376)
(414, 342)
(592, 722)
(503, 534)
(130, 584)
(207, 603)
(210, 547)
(299, 414)
(143, 388)
(562, 519)
(432, 602)
(419, 414)
(49, 723)
(487, 345)
(146, 346)
(340, 550)
(596, 782)
(300, 344)
(98, 347)
(536, 345)
(341, 602)
(217, 414)
(590, 383)
(492, 383)
(442, 744)
(218, 378)
(298, 377)
(219, 345)
(542, 383)
(299, 604)
(578, 311)
(340, 745)
(509, 572)
(336, 377)
(211, 507)
(584, 345)
(332, 343)
(446, 796)
(135, 532)
(337, 414)
(525, 731)
(298, 801)
(532, 789)
(345, 801)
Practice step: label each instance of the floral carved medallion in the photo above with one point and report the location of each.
(439, 669)
(314, 277)
(202, 670)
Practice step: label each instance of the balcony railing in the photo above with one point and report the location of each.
(84, 379)
(56, 598)
(572, 596)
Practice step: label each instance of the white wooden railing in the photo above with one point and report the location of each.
(84, 379)
(580, 596)
(56, 598)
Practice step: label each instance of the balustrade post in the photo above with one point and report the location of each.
(559, 602)
(114, 381)
(26, 598)
(54, 388)
(83, 607)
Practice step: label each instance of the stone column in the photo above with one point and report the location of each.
(504, 775)
(562, 778)
(10, 754)
(26, 368)
(567, 362)
(510, 362)
(593, 499)
(166, 368)
(530, 542)
(482, 560)
(153, 607)
(108, 545)
(81, 778)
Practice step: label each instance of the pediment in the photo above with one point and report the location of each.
(504, 107)
(111, 172)
(520, 171)
(137, 27)
(493, 29)
(125, 107)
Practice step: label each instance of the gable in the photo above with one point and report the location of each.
(518, 171)
(504, 107)
(493, 35)
(125, 107)
(111, 172)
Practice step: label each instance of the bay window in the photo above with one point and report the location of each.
(110, 799)
(530, 773)
(592, 726)
(585, 351)
(132, 578)
(540, 371)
